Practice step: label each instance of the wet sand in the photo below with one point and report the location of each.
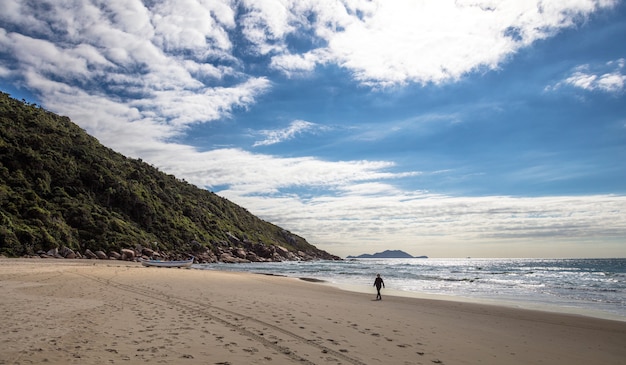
(112, 312)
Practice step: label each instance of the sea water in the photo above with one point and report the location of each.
(594, 287)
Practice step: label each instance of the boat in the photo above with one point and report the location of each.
(160, 263)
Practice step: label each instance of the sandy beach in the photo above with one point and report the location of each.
(113, 312)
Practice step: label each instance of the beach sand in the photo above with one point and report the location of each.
(113, 312)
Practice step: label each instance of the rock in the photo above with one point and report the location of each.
(207, 256)
(54, 252)
(115, 255)
(90, 255)
(230, 259)
(251, 256)
(101, 255)
(240, 252)
(148, 252)
(127, 254)
(305, 256)
(65, 251)
(282, 251)
(227, 258)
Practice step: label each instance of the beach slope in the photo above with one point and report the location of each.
(113, 312)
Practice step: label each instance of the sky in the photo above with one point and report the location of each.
(478, 128)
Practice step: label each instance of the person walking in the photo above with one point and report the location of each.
(378, 283)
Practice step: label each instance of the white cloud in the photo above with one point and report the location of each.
(119, 63)
(180, 107)
(435, 225)
(167, 61)
(609, 77)
(277, 136)
(395, 42)
(5, 72)
(198, 26)
(382, 42)
(45, 57)
(266, 23)
(259, 174)
(612, 82)
(295, 64)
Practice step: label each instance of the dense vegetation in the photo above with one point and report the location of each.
(61, 187)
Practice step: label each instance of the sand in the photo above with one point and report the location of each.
(112, 312)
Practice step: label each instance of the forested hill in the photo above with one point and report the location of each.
(61, 189)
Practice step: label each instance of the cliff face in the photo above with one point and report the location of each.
(61, 189)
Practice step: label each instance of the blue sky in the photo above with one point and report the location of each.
(460, 128)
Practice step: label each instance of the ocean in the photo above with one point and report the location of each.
(595, 287)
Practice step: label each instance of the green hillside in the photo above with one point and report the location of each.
(59, 187)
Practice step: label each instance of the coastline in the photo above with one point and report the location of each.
(92, 312)
(517, 283)
(515, 304)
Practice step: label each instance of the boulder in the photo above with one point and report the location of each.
(101, 255)
(305, 256)
(240, 252)
(65, 251)
(262, 250)
(230, 259)
(115, 255)
(227, 258)
(90, 255)
(148, 252)
(282, 251)
(127, 254)
(207, 256)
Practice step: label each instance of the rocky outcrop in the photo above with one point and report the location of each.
(232, 251)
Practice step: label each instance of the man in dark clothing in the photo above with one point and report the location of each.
(378, 283)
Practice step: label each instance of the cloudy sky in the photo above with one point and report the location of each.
(483, 128)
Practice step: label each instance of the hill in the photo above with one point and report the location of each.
(387, 254)
(63, 193)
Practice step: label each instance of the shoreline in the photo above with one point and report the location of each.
(507, 302)
(542, 307)
(93, 312)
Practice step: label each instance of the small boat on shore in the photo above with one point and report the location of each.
(159, 263)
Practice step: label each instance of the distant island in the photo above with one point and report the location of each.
(387, 254)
